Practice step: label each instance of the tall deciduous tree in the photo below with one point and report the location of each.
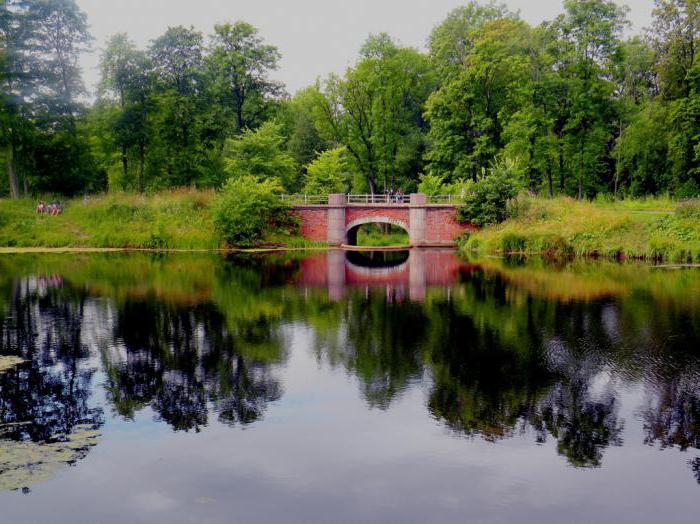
(42, 86)
(452, 40)
(240, 63)
(59, 34)
(15, 86)
(469, 112)
(178, 60)
(589, 33)
(375, 111)
(122, 67)
(676, 33)
(260, 154)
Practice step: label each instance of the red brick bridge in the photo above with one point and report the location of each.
(428, 222)
(422, 269)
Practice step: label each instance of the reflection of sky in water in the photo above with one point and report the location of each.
(318, 452)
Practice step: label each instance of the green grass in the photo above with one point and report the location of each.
(176, 219)
(650, 229)
(372, 235)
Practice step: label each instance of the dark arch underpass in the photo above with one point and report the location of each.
(353, 228)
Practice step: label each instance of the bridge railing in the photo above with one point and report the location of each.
(443, 199)
(314, 200)
(378, 199)
(320, 200)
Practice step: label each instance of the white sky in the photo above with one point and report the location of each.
(315, 37)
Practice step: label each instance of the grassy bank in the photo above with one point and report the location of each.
(651, 229)
(372, 235)
(179, 219)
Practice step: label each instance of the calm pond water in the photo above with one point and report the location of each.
(334, 387)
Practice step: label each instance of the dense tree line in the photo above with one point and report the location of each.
(571, 107)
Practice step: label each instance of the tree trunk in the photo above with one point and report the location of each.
(580, 171)
(13, 179)
(562, 175)
(372, 184)
(125, 162)
(239, 116)
(531, 169)
(142, 155)
(617, 165)
(580, 189)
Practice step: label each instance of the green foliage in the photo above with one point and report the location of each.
(486, 201)
(689, 209)
(260, 154)
(375, 235)
(376, 112)
(579, 109)
(240, 63)
(164, 114)
(431, 185)
(652, 229)
(642, 152)
(40, 111)
(328, 173)
(304, 139)
(179, 219)
(467, 113)
(452, 40)
(246, 208)
(513, 243)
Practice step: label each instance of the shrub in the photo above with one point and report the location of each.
(690, 189)
(156, 241)
(513, 243)
(246, 208)
(328, 173)
(431, 185)
(261, 154)
(486, 201)
(688, 209)
(520, 206)
(554, 246)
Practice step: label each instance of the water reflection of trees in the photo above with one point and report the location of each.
(568, 357)
(45, 399)
(503, 359)
(493, 379)
(672, 418)
(505, 362)
(185, 360)
(383, 339)
(178, 359)
(482, 385)
(181, 358)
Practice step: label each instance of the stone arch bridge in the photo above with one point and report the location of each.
(428, 222)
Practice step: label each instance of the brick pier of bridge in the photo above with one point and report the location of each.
(336, 223)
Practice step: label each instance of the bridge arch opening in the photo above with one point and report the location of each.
(388, 226)
(371, 260)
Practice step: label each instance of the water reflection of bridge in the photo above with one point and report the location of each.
(401, 274)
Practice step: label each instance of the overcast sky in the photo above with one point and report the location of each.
(315, 37)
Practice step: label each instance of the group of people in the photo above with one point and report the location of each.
(53, 209)
(394, 196)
